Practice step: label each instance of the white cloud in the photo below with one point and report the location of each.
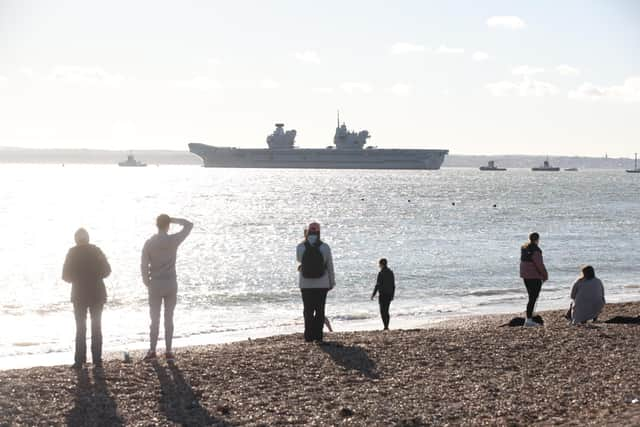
(200, 83)
(567, 70)
(506, 22)
(449, 50)
(525, 70)
(27, 72)
(629, 91)
(94, 76)
(526, 87)
(400, 89)
(322, 90)
(480, 56)
(404, 48)
(214, 61)
(309, 56)
(4, 82)
(269, 84)
(353, 87)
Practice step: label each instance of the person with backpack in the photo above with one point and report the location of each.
(158, 269)
(533, 272)
(315, 278)
(85, 267)
(386, 288)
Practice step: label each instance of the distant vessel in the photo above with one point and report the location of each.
(491, 166)
(546, 167)
(131, 162)
(348, 152)
(635, 167)
(571, 170)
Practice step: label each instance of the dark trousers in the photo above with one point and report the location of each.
(314, 301)
(80, 313)
(533, 289)
(385, 302)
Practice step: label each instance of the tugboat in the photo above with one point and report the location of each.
(491, 166)
(131, 162)
(635, 167)
(546, 167)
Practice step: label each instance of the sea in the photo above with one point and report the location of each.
(451, 236)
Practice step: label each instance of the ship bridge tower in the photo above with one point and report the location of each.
(349, 140)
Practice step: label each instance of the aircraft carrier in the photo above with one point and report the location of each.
(347, 152)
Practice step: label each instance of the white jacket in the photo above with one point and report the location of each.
(328, 280)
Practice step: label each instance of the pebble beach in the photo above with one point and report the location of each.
(468, 371)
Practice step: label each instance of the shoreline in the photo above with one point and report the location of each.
(469, 371)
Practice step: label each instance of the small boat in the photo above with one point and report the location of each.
(131, 162)
(546, 167)
(491, 166)
(635, 167)
(571, 170)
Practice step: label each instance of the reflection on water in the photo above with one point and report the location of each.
(237, 269)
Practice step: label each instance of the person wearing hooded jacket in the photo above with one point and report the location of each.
(533, 272)
(85, 267)
(314, 285)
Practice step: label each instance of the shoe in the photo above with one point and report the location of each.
(169, 356)
(77, 366)
(530, 322)
(151, 355)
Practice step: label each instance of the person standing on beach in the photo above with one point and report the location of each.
(85, 267)
(533, 272)
(386, 288)
(158, 268)
(587, 294)
(315, 278)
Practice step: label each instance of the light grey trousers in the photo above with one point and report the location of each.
(157, 295)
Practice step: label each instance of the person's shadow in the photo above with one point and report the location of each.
(178, 401)
(351, 358)
(93, 403)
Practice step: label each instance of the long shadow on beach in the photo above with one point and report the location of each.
(178, 401)
(94, 405)
(351, 358)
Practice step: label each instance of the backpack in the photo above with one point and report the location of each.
(312, 265)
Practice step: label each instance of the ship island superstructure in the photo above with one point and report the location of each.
(347, 152)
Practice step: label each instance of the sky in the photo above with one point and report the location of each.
(542, 77)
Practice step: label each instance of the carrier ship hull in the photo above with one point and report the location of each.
(227, 157)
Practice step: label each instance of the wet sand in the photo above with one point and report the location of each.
(467, 371)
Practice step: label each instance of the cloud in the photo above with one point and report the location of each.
(269, 84)
(567, 70)
(200, 83)
(525, 70)
(4, 82)
(506, 22)
(404, 48)
(629, 91)
(400, 89)
(480, 56)
(449, 50)
(92, 76)
(309, 56)
(526, 87)
(323, 90)
(353, 87)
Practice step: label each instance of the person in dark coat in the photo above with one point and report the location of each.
(533, 272)
(386, 288)
(85, 268)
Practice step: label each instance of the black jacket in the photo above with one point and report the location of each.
(386, 283)
(85, 267)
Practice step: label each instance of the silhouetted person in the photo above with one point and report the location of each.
(587, 294)
(385, 288)
(85, 267)
(533, 272)
(315, 277)
(158, 268)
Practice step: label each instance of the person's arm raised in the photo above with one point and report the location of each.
(187, 226)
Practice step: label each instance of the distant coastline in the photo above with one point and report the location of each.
(176, 157)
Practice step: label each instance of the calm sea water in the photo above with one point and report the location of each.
(237, 271)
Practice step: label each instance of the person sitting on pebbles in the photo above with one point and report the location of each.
(587, 294)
